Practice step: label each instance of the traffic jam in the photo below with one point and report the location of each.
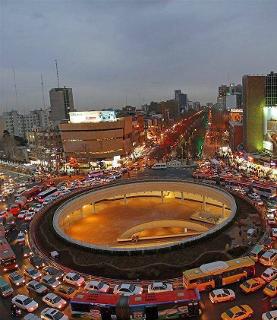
(35, 288)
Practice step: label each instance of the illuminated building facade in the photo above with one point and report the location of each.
(253, 118)
(96, 135)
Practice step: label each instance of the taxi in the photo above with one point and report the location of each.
(252, 285)
(271, 289)
(237, 313)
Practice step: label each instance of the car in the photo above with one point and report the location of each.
(50, 281)
(222, 295)
(20, 239)
(65, 291)
(25, 303)
(74, 278)
(31, 316)
(54, 301)
(3, 214)
(238, 313)
(269, 315)
(22, 214)
(252, 285)
(159, 286)
(54, 272)
(52, 314)
(127, 289)
(29, 216)
(37, 262)
(95, 285)
(271, 289)
(36, 287)
(27, 252)
(273, 303)
(37, 207)
(32, 273)
(16, 278)
(269, 274)
(269, 257)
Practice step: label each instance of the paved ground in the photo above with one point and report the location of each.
(113, 218)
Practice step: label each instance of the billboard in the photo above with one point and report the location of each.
(91, 116)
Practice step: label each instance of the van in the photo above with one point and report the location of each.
(269, 257)
(5, 288)
(256, 252)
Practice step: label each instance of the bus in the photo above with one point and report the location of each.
(220, 273)
(46, 193)
(7, 256)
(265, 189)
(177, 304)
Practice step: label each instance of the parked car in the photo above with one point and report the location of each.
(238, 313)
(269, 274)
(36, 287)
(222, 295)
(74, 278)
(127, 289)
(95, 285)
(252, 285)
(52, 314)
(25, 303)
(159, 287)
(54, 301)
(17, 279)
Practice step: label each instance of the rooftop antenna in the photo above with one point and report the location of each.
(42, 90)
(15, 89)
(57, 70)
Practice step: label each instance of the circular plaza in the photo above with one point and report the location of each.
(143, 216)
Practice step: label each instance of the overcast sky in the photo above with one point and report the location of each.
(108, 50)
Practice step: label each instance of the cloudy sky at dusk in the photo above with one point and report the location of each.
(108, 50)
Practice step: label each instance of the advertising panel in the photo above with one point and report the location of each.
(91, 116)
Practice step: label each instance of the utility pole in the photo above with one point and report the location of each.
(57, 71)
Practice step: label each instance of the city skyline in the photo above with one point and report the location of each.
(141, 50)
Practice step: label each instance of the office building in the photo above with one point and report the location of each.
(181, 100)
(253, 104)
(61, 103)
(270, 114)
(14, 123)
(90, 136)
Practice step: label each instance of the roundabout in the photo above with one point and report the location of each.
(176, 243)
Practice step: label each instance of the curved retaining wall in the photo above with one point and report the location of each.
(191, 190)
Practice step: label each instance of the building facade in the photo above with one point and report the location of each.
(253, 104)
(61, 103)
(94, 139)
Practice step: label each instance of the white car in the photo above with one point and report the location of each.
(222, 295)
(74, 278)
(17, 279)
(29, 216)
(22, 214)
(269, 257)
(269, 315)
(32, 272)
(127, 289)
(269, 274)
(36, 287)
(159, 287)
(52, 314)
(50, 281)
(25, 303)
(20, 239)
(54, 301)
(38, 207)
(95, 285)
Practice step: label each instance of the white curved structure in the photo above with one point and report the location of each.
(71, 211)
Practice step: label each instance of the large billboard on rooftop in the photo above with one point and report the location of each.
(91, 116)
